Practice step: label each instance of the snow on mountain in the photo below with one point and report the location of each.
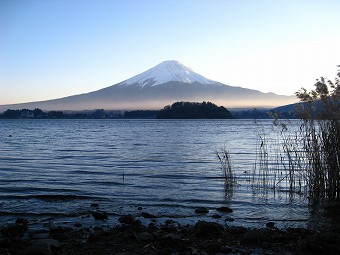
(164, 72)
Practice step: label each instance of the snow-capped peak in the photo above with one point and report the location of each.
(164, 72)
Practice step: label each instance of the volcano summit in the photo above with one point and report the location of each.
(168, 82)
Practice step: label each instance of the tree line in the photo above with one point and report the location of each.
(178, 110)
(39, 114)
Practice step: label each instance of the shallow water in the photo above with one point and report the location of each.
(55, 169)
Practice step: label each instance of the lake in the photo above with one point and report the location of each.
(55, 169)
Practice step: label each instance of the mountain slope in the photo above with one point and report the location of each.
(168, 82)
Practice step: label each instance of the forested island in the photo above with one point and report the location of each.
(187, 110)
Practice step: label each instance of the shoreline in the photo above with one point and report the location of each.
(131, 236)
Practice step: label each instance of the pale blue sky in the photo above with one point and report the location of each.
(55, 48)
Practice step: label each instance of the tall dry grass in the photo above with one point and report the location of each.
(228, 173)
(308, 160)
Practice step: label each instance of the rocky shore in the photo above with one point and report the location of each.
(130, 236)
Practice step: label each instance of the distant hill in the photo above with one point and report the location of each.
(188, 110)
(168, 82)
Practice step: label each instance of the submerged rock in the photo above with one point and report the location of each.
(52, 226)
(229, 219)
(224, 209)
(100, 215)
(270, 224)
(148, 215)
(201, 210)
(127, 219)
(216, 216)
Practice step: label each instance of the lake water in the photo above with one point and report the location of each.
(55, 169)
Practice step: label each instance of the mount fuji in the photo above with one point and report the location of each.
(164, 84)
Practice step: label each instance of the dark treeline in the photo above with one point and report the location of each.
(187, 110)
(141, 114)
(39, 114)
(178, 110)
(265, 114)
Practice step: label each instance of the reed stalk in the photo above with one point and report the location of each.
(227, 170)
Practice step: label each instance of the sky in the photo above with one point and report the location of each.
(56, 48)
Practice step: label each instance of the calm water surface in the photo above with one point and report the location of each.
(55, 169)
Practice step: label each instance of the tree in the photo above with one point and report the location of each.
(320, 112)
(323, 102)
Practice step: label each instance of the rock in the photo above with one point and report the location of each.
(171, 236)
(137, 223)
(43, 247)
(5, 242)
(270, 224)
(224, 209)
(229, 219)
(60, 233)
(237, 230)
(226, 249)
(52, 226)
(78, 225)
(216, 216)
(315, 244)
(127, 219)
(201, 210)
(147, 215)
(146, 237)
(14, 230)
(255, 236)
(23, 223)
(140, 208)
(211, 246)
(100, 215)
(170, 222)
(208, 229)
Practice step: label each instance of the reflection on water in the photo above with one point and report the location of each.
(60, 167)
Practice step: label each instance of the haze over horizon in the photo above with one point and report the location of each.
(53, 49)
(168, 82)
